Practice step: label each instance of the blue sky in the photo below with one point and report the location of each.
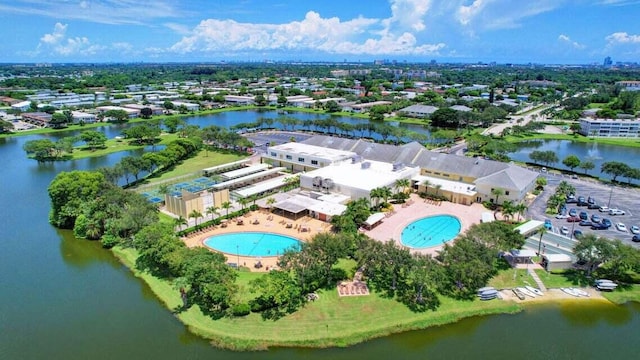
(518, 31)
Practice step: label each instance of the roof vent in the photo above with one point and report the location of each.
(365, 165)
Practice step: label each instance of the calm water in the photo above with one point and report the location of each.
(430, 231)
(594, 152)
(252, 243)
(63, 298)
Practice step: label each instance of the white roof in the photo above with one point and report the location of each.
(328, 208)
(230, 183)
(558, 258)
(487, 217)
(447, 185)
(374, 218)
(378, 174)
(225, 166)
(261, 187)
(523, 253)
(233, 174)
(529, 226)
(301, 149)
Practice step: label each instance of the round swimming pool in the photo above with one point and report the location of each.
(252, 243)
(430, 231)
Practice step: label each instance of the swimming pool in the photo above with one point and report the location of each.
(252, 243)
(430, 231)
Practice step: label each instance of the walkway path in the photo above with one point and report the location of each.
(535, 277)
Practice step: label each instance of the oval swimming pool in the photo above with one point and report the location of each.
(252, 243)
(430, 231)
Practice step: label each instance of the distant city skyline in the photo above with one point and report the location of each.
(502, 31)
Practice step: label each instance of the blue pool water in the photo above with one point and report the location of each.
(430, 231)
(252, 243)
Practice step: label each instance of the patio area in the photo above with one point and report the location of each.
(402, 215)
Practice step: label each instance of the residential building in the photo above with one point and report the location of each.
(629, 85)
(186, 202)
(418, 111)
(21, 106)
(83, 117)
(610, 127)
(37, 118)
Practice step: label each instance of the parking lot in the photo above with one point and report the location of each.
(626, 199)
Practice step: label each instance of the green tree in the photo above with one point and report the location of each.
(116, 115)
(226, 205)
(497, 192)
(195, 214)
(615, 169)
(68, 192)
(593, 251)
(58, 120)
(212, 210)
(419, 290)
(587, 165)
(278, 295)
(5, 127)
(571, 162)
(93, 139)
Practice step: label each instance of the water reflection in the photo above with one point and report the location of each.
(593, 313)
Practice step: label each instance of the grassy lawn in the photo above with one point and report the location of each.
(623, 294)
(329, 321)
(116, 145)
(194, 165)
(569, 278)
(511, 278)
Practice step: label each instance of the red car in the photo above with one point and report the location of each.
(573, 219)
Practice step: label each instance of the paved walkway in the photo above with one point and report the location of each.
(536, 278)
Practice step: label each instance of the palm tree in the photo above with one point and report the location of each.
(402, 184)
(375, 194)
(226, 205)
(195, 214)
(541, 231)
(385, 193)
(438, 187)
(243, 202)
(508, 209)
(211, 210)
(497, 192)
(180, 221)
(271, 201)
(521, 208)
(426, 184)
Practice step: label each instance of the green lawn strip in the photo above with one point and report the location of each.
(329, 321)
(194, 165)
(511, 278)
(116, 145)
(568, 278)
(623, 294)
(165, 218)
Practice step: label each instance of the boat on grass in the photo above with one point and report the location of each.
(581, 292)
(526, 292)
(570, 291)
(519, 294)
(534, 290)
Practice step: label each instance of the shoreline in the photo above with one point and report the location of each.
(264, 335)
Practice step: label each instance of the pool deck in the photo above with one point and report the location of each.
(392, 226)
(302, 229)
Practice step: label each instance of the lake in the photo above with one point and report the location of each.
(594, 152)
(65, 298)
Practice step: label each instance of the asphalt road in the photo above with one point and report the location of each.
(627, 199)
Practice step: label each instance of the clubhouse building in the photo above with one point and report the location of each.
(353, 168)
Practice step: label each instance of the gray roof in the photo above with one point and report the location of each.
(461, 108)
(413, 154)
(513, 177)
(421, 109)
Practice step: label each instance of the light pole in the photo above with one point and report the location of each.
(610, 194)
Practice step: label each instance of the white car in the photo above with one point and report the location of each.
(616, 212)
(562, 216)
(634, 229)
(604, 209)
(564, 230)
(621, 227)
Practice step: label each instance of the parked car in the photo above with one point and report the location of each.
(621, 227)
(634, 229)
(596, 218)
(635, 238)
(562, 216)
(547, 224)
(616, 212)
(583, 215)
(577, 233)
(593, 206)
(571, 198)
(606, 222)
(585, 223)
(604, 209)
(564, 230)
(573, 212)
(591, 200)
(573, 219)
(599, 227)
(582, 201)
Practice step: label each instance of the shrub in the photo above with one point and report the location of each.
(241, 309)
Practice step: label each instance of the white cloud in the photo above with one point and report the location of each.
(467, 13)
(500, 14)
(567, 40)
(314, 33)
(408, 14)
(56, 36)
(622, 38)
(98, 11)
(58, 43)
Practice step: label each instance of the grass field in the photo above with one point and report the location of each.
(194, 165)
(510, 278)
(623, 294)
(329, 321)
